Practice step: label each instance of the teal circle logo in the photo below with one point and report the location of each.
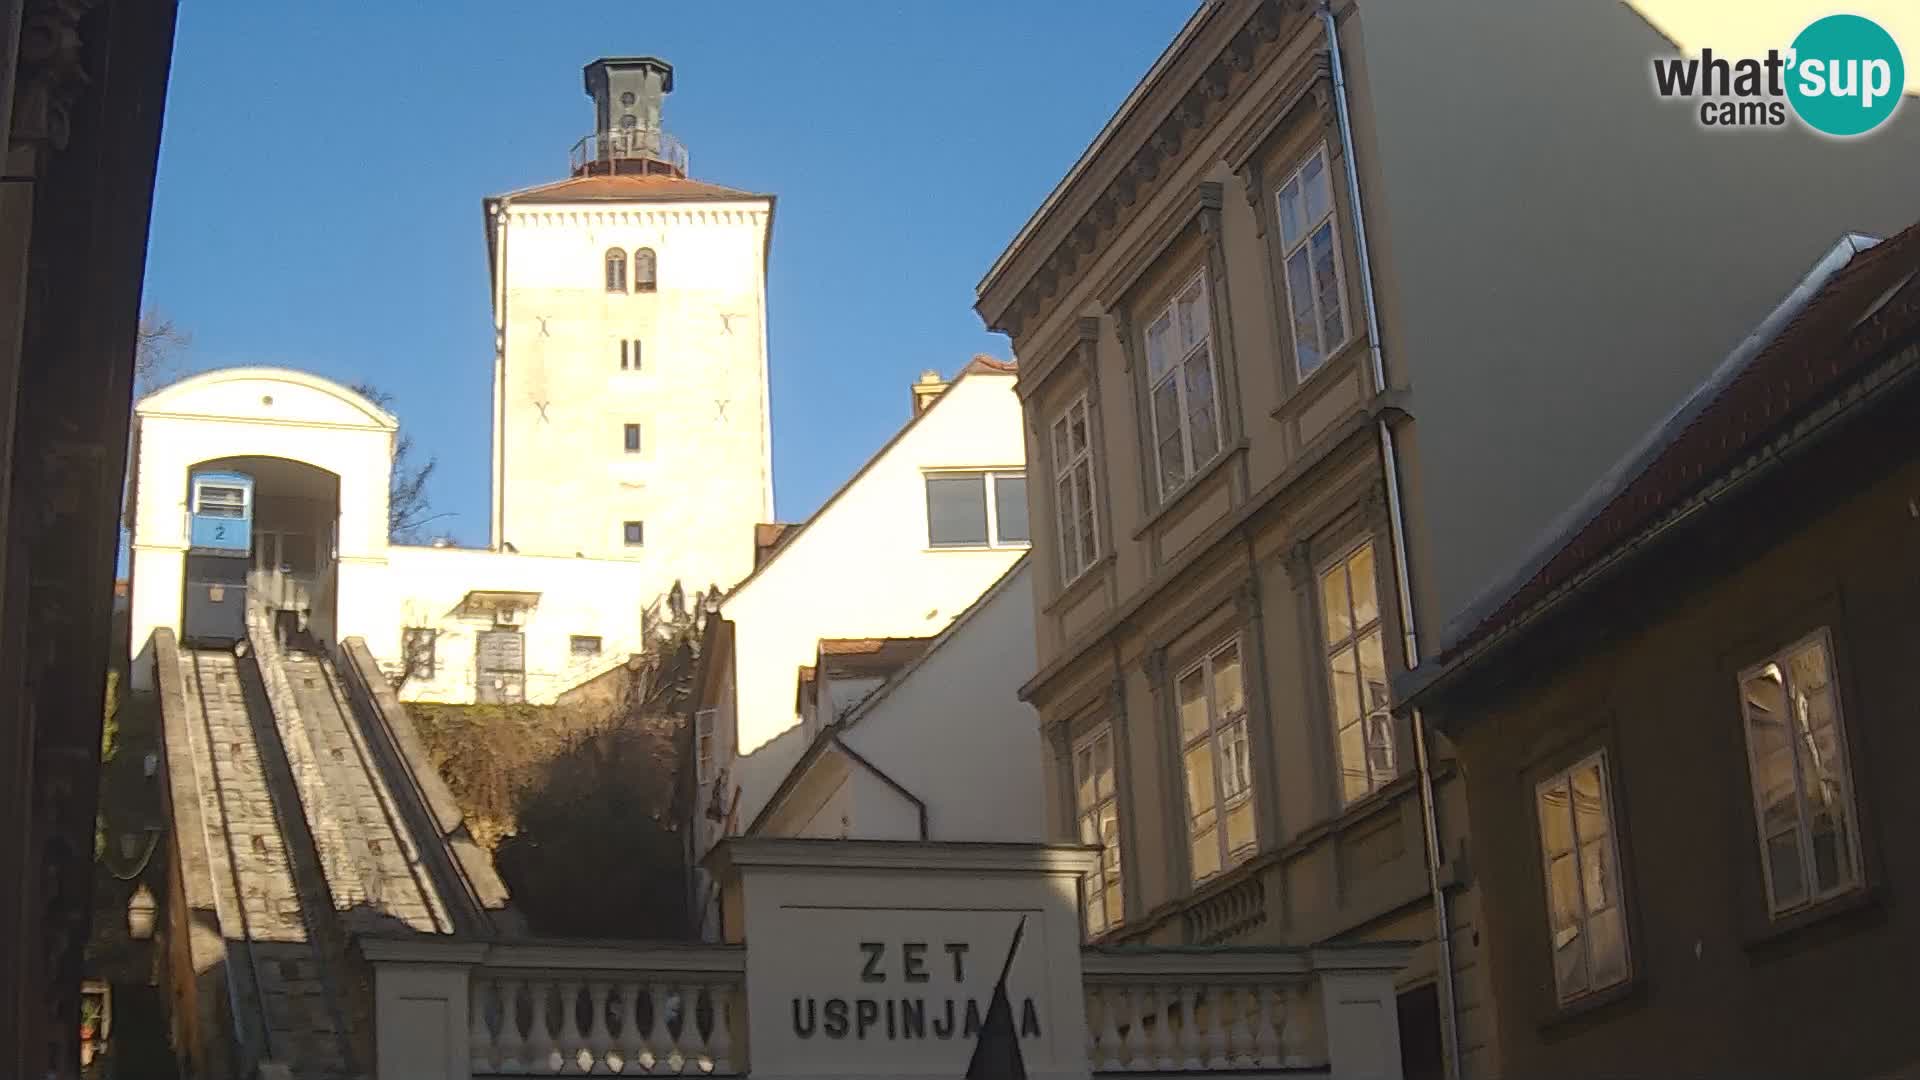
(1845, 75)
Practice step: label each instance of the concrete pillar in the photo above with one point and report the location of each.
(420, 996)
(1362, 1025)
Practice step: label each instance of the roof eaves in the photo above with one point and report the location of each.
(880, 693)
(1106, 135)
(1568, 524)
(793, 534)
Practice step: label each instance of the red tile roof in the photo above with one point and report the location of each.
(658, 187)
(987, 364)
(871, 656)
(1870, 302)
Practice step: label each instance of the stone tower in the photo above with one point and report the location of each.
(630, 374)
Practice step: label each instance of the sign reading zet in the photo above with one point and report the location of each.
(914, 990)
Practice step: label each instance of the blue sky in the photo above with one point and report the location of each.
(318, 201)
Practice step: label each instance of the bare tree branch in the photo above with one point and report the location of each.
(155, 363)
(409, 507)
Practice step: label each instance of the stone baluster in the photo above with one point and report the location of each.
(513, 1049)
(1103, 1039)
(1164, 1044)
(480, 1046)
(1218, 1000)
(1293, 1028)
(599, 1037)
(1242, 1000)
(1190, 1046)
(1266, 1036)
(659, 1038)
(1138, 1005)
(693, 1045)
(720, 1047)
(569, 1042)
(633, 1037)
(542, 1054)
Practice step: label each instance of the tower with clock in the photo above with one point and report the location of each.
(630, 371)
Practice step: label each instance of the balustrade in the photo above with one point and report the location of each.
(633, 1024)
(1187, 1011)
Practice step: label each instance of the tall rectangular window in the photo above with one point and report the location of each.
(977, 509)
(629, 354)
(634, 533)
(1357, 675)
(1310, 249)
(1216, 761)
(1802, 784)
(703, 742)
(1181, 386)
(1096, 808)
(631, 437)
(1073, 491)
(1581, 860)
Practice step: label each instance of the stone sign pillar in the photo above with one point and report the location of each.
(878, 959)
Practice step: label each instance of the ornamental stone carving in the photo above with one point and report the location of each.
(52, 72)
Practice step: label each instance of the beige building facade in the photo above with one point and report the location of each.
(1312, 339)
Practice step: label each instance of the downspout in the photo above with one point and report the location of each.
(500, 375)
(1396, 521)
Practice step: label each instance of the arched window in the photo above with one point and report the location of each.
(643, 270)
(617, 271)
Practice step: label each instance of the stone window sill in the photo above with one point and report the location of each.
(1181, 495)
(1784, 928)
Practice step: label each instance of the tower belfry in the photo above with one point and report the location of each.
(627, 137)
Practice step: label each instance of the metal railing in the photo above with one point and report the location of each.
(634, 143)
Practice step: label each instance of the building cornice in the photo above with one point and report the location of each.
(735, 854)
(1092, 207)
(738, 213)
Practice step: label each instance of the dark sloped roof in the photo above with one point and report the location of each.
(1775, 378)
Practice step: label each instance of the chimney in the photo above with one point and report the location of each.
(930, 386)
(627, 93)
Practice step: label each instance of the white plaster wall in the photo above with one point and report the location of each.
(863, 568)
(955, 733)
(425, 586)
(244, 412)
(565, 482)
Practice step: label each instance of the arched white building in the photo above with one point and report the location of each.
(464, 625)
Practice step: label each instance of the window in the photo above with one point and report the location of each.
(218, 500)
(1310, 248)
(1097, 809)
(630, 354)
(632, 438)
(1216, 761)
(703, 742)
(645, 267)
(960, 512)
(416, 651)
(635, 533)
(583, 645)
(1073, 491)
(1583, 879)
(1180, 379)
(1357, 675)
(616, 270)
(1802, 786)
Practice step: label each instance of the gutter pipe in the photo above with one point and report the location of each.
(1396, 517)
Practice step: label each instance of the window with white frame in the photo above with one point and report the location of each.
(1181, 386)
(1073, 490)
(1096, 807)
(1802, 784)
(1357, 675)
(1586, 917)
(977, 509)
(1216, 761)
(703, 743)
(1310, 251)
